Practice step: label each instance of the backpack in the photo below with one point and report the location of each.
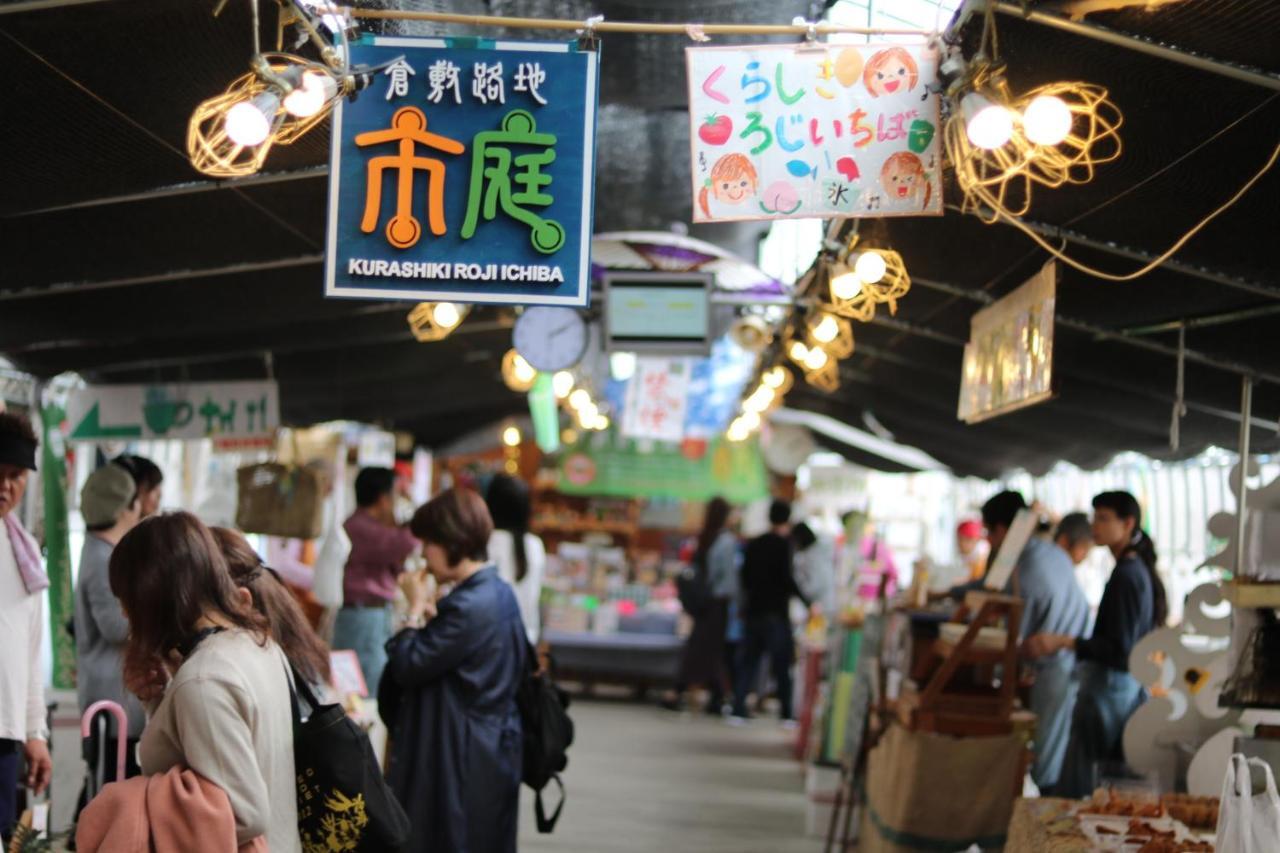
(693, 587)
(548, 734)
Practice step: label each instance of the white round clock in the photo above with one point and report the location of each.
(551, 338)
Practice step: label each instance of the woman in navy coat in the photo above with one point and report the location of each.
(449, 692)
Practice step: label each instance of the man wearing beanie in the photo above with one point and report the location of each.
(23, 729)
(111, 506)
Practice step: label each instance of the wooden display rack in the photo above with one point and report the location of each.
(946, 707)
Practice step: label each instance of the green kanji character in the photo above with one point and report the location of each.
(491, 179)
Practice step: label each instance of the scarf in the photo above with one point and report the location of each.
(26, 554)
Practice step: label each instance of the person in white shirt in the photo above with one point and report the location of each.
(519, 556)
(23, 729)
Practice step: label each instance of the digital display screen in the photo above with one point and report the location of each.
(658, 312)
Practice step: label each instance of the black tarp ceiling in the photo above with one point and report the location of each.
(122, 263)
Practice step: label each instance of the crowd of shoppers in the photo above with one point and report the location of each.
(201, 642)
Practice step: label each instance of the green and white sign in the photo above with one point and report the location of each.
(190, 411)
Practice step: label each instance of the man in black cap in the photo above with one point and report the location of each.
(23, 729)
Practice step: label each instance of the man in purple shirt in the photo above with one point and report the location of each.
(378, 551)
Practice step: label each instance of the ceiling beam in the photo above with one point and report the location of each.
(183, 189)
(1141, 45)
(42, 5)
(65, 288)
(1074, 237)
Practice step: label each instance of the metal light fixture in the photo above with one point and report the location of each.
(435, 321)
(833, 334)
(277, 102)
(517, 373)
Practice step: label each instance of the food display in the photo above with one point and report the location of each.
(1124, 803)
(1195, 812)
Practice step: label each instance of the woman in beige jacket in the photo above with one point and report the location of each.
(224, 711)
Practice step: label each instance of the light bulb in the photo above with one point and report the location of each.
(307, 98)
(579, 398)
(827, 329)
(622, 365)
(523, 370)
(760, 400)
(1047, 120)
(248, 123)
(562, 384)
(602, 423)
(750, 420)
(774, 376)
(816, 359)
(846, 284)
(798, 351)
(569, 436)
(588, 413)
(446, 315)
(870, 267)
(511, 436)
(738, 431)
(988, 125)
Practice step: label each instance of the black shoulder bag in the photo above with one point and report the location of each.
(344, 803)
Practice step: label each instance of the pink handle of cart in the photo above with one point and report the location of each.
(122, 730)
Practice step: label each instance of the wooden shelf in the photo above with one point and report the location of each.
(620, 528)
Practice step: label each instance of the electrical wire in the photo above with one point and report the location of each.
(1155, 262)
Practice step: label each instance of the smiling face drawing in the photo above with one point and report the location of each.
(903, 177)
(891, 72)
(733, 181)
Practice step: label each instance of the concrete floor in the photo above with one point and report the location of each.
(644, 779)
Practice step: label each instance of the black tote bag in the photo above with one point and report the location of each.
(344, 803)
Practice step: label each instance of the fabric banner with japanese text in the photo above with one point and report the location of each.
(465, 173)
(605, 463)
(803, 131)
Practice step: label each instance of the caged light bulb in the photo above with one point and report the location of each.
(446, 315)
(248, 123)
(1047, 120)
(310, 96)
(870, 267)
(799, 351)
(827, 329)
(816, 359)
(845, 284)
(987, 124)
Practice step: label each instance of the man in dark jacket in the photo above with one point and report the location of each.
(768, 585)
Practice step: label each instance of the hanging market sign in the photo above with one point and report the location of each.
(217, 410)
(465, 174)
(803, 131)
(657, 399)
(607, 464)
(1008, 362)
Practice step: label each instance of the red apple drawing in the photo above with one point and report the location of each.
(716, 130)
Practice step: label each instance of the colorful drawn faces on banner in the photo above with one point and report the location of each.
(733, 181)
(890, 72)
(903, 178)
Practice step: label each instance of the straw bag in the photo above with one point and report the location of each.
(281, 500)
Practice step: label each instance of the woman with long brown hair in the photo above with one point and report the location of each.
(289, 626)
(203, 660)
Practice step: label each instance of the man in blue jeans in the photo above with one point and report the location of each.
(379, 548)
(768, 585)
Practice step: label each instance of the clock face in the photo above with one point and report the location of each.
(550, 338)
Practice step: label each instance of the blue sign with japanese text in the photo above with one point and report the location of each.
(465, 173)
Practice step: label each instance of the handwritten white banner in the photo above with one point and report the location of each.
(803, 131)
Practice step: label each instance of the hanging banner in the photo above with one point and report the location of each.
(608, 464)
(657, 399)
(1008, 362)
(465, 173)
(57, 543)
(218, 410)
(804, 131)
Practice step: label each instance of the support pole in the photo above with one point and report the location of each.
(1242, 490)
